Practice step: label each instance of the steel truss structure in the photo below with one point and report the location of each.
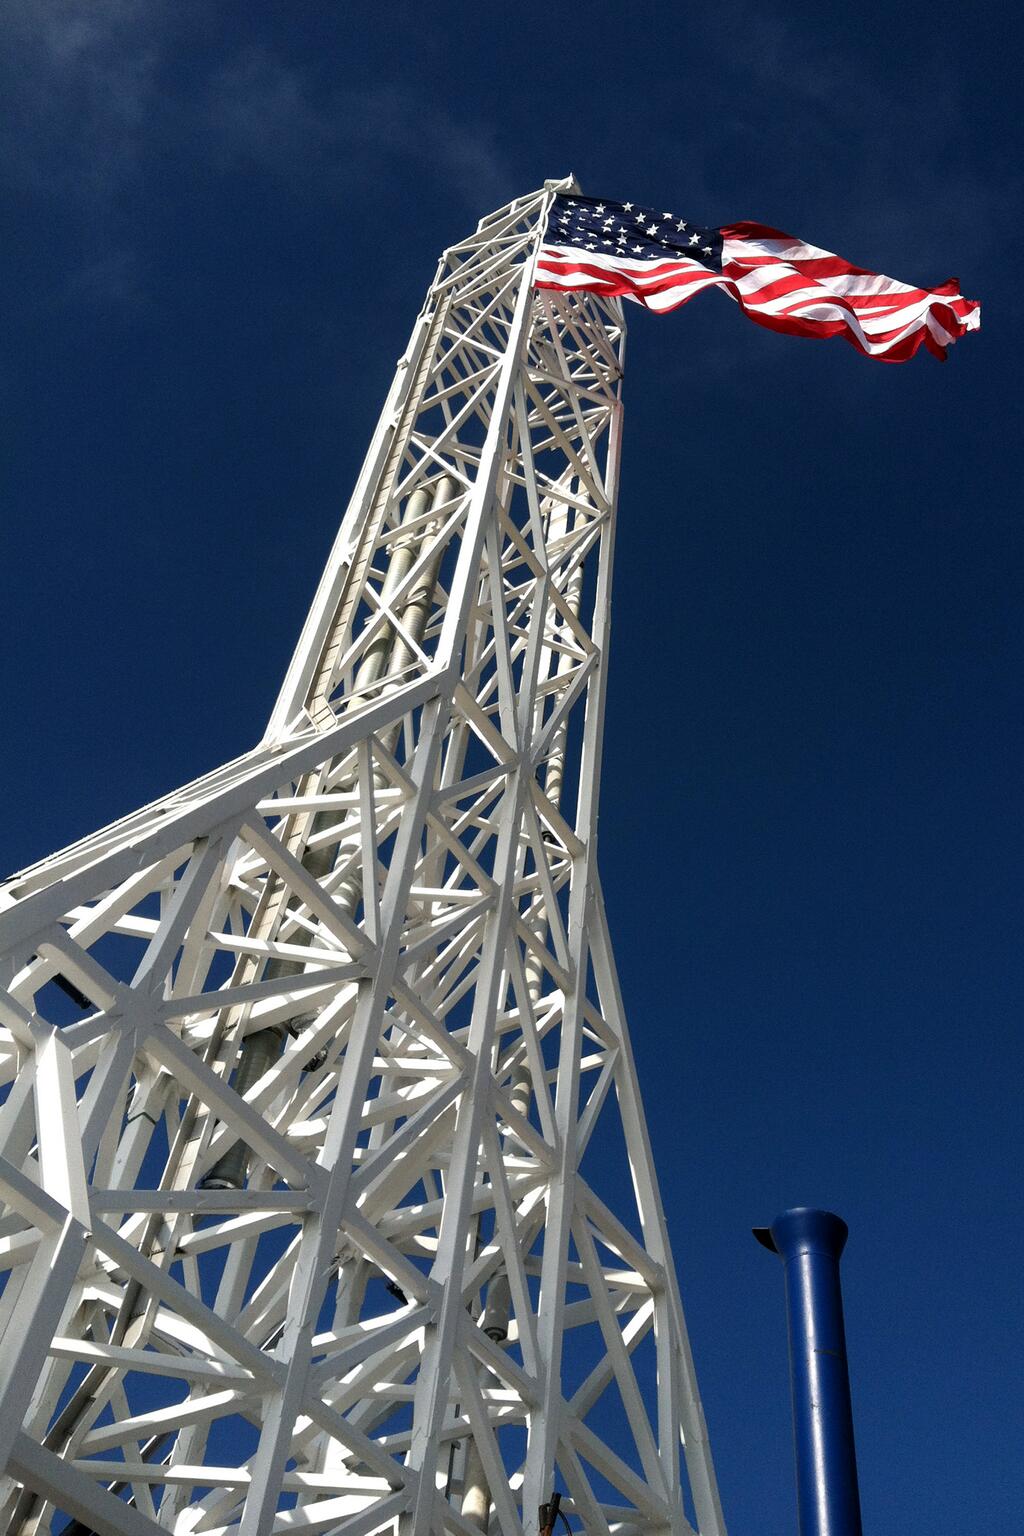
(307, 1064)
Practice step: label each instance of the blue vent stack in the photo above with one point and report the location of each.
(810, 1243)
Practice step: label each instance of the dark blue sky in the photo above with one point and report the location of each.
(811, 816)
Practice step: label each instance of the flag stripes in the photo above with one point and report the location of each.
(779, 281)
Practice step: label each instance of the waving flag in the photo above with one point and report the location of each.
(662, 261)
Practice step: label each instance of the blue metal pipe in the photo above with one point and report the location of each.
(810, 1242)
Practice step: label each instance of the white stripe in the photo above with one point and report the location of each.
(631, 265)
(786, 249)
(782, 302)
(938, 330)
(878, 317)
(814, 301)
(811, 303)
(568, 279)
(661, 300)
(825, 312)
(868, 283)
(671, 296)
(916, 311)
(692, 279)
(763, 277)
(793, 251)
(665, 299)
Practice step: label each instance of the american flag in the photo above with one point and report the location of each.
(661, 261)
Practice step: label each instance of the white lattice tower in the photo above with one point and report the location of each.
(306, 1064)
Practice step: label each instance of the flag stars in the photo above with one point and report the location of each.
(608, 228)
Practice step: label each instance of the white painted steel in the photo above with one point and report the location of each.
(298, 1233)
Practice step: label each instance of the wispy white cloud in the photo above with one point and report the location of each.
(82, 80)
(78, 77)
(95, 95)
(894, 123)
(267, 112)
(79, 83)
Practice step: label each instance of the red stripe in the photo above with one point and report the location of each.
(620, 281)
(827, 265)
(555, 263)
(900, 352)
(791, 318)
(951, 310)
(621, 288)
(814, 266)
(751, 231)
(791, 280)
